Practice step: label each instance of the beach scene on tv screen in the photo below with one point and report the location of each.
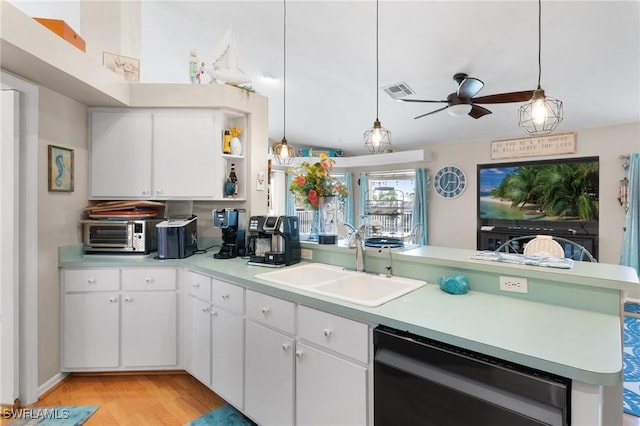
(555, 191)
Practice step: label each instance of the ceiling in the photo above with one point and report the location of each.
(590, 61)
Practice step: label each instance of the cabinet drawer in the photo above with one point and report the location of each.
(270, 310)
(91, 279)
(199, 285)
(342, 335)
(228, 296)
(148, 279)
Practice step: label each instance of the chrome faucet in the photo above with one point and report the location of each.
(356, 241)
(389, 266)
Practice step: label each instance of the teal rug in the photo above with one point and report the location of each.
(223, 416)
(631, 358)
(70, 415)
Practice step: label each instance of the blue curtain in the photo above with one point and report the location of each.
(364, 187)
(631, 243)
(420, 204)
(289, 199)
(349, 214)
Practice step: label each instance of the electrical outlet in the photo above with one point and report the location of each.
(306, 254)
(514, 284)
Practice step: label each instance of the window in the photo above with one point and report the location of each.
(389, 202)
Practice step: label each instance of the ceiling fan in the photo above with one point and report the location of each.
(462, 101)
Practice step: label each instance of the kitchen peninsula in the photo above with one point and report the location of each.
(568, 323)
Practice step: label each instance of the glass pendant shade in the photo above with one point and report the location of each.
(283, 153)
(377, 139)
(541, 115)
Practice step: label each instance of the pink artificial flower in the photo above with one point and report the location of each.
(313, 198)
(300, 180)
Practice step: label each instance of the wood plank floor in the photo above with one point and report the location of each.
(135, 399)
(146, 399)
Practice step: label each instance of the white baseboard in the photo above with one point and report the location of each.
(46, 386)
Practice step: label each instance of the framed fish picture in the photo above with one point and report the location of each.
(60, 169)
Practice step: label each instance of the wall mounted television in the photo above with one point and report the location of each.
(558, 194)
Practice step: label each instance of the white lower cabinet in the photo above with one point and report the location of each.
(91, 330)
(329, 390)
(149, 329)
(199, 343)
(227, 342)
(269, 369)
(306, 369)
(332, 369)
(216, 336)
(117, 319)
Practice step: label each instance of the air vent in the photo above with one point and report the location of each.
(398, 90)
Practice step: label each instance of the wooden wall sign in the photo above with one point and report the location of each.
(563, 143)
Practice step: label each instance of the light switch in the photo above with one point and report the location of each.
(260, 181)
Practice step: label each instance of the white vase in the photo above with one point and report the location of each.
(236, 146)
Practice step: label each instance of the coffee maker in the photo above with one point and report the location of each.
(233, 223)
(274, 241)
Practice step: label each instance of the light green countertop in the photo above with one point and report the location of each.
(569, 339)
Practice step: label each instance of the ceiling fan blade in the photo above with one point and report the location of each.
(478, 111)
(469, 87)
(432, 112)
(421, 100)
(505, 98)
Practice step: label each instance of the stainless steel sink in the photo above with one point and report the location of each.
(356, 287)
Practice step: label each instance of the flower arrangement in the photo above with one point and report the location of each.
(235, 131)
(314, 181)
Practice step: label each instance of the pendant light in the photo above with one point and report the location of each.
(377, 139)
(284, 153)
(542, 114)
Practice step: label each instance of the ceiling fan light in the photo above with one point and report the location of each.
(377, 139)
(459, 110)
(541, 115)
(283, 153)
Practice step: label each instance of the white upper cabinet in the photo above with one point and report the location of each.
(121, 143)
(184, 146)
(168, 153)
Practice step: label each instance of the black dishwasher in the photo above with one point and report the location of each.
(419, 381)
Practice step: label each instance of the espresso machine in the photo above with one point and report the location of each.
(232, 222)
(274, 241)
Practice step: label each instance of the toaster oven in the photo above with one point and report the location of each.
(120, 236)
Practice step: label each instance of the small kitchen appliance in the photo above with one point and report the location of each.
(177, 238)
(232, 222)
(110, 235)
(178, 234)
(274, 241)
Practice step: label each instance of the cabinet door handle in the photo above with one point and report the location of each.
(145, 192)
(326, 332)
(196, 285)
(205, 309)
(148, 280)
(128, 299)
(285, 346)
(225, 296)
(91, 281)
(266, 310)
(113, 299)
(299, 354)
(214, 314)
(159, 191)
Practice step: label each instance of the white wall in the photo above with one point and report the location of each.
(452, 223)
(62, 122)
